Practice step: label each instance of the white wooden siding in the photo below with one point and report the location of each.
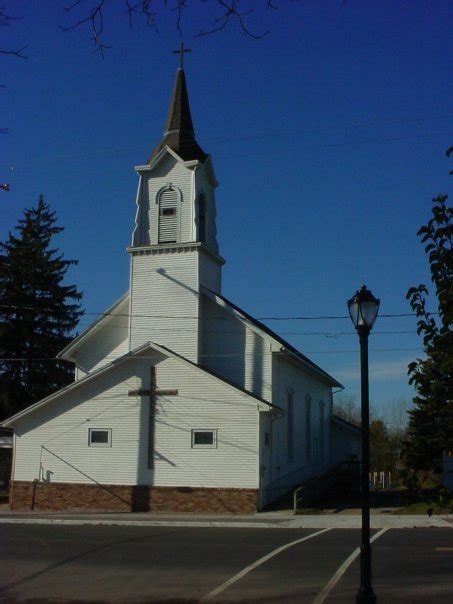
(165, 300)
(232, 349)
(107, 342)
(285, 473)
(202, 402)
(203, 187)
(210, 272)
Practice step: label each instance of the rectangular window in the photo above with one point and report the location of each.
(204, 439)
(168, 211)
(99, 437)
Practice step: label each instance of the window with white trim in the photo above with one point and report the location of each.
(99, 437)
(204, 439)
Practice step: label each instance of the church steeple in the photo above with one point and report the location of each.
(179, 133)
(174, 252)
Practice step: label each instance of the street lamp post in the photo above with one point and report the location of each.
(363, 309)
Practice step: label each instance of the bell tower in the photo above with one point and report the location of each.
(174, 247)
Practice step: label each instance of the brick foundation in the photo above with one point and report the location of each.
(127, 498)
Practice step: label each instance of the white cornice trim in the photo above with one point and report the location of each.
(148, 167)
(172, 248)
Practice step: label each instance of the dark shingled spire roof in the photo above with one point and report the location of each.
(179, 134)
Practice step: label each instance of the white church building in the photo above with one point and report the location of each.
(181, 400)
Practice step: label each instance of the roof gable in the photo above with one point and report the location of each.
(116, 309)
(136, 353)
(266, 332)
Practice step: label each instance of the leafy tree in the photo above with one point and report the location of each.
(431, 420)
(38, 312)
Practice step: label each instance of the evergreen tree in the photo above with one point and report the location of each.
(38, 313)
(431, 421)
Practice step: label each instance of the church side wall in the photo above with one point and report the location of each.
(52, 445)
(235, 351)
(312, 457)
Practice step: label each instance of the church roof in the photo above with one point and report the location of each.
(179, 133)
(286, 346)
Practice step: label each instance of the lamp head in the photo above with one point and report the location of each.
(363, 309)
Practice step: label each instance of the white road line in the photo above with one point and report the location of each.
(340, 572)
(215, 592)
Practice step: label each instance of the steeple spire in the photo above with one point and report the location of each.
(179, 134)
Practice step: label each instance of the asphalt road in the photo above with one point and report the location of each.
(42, 563)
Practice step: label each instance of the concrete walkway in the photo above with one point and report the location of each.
(282, 519)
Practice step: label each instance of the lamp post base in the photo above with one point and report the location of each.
(365, 596)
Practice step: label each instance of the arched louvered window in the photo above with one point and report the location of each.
(168, 215)
(202, 219)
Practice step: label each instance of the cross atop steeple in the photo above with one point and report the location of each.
(181, 52)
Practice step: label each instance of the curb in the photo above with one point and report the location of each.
(175, 523)
(308, 522)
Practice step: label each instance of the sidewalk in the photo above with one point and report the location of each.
(282, 519)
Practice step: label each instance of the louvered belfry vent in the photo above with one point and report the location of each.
(168, 216)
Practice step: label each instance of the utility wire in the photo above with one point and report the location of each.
(266, 318)
(272, 135)
(327, 334)
(224, 355)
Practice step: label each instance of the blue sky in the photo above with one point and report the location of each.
(328, 138)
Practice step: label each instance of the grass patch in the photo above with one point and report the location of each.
(424, 507)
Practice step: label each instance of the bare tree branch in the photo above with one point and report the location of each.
(233, 13)
(229, 12)
(5, 21)
(15, 53)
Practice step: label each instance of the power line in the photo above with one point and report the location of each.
(321, 130)
(273, 135)
(222, 355)
(266, 318)
(327, 334)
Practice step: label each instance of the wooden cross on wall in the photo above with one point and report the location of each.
(153, 391)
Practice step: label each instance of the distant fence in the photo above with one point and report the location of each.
(381, 480)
